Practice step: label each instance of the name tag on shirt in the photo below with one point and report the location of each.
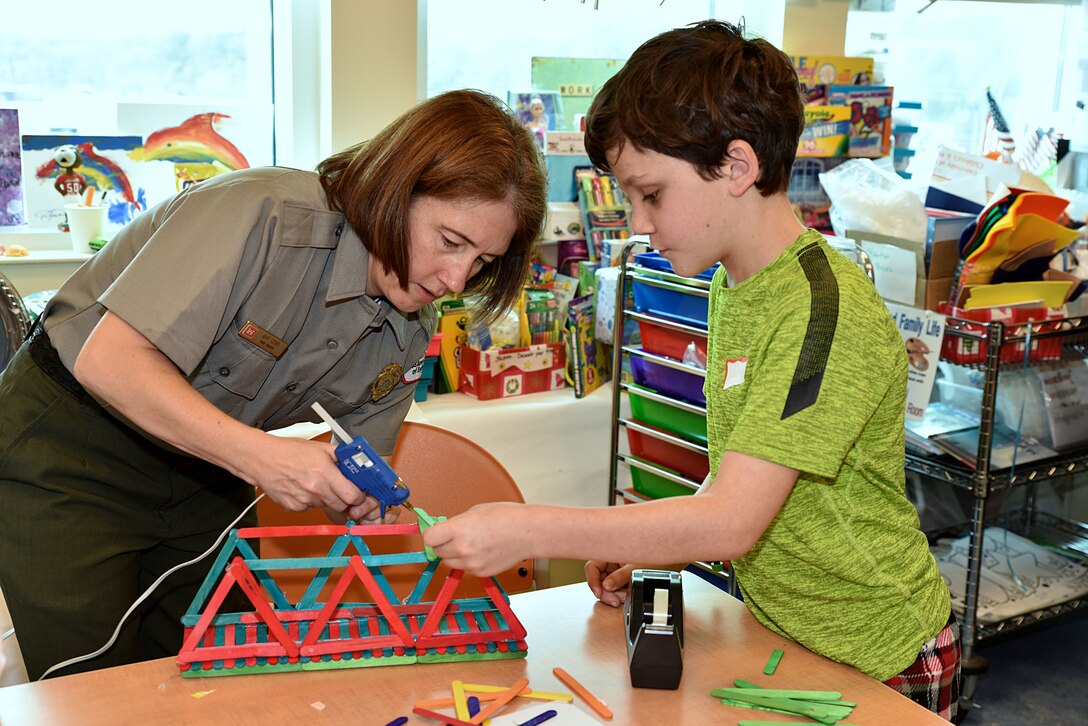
(258, 336)
(734, 372)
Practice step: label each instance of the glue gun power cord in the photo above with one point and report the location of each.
(147, 593)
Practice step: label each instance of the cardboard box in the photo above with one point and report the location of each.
(826, 132)
(942, 243)
(824, 69)
(501, 373)
(937, 291)
(934, 265)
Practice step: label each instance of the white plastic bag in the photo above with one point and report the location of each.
(868, 198)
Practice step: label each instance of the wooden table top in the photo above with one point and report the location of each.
(566, 628)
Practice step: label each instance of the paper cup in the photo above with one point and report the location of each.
(85, 224)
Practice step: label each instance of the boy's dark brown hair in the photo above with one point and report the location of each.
(689, 92)
(461, 145)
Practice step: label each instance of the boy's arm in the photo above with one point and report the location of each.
(722, 523)
(609, 580)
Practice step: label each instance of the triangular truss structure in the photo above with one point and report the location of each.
(278, 635)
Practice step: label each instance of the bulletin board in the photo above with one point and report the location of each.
(578, 80)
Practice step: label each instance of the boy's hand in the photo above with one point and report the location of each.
(609, 581)
(483, 541)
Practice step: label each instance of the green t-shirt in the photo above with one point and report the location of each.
(805, 368)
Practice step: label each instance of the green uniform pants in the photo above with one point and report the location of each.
(91, 513)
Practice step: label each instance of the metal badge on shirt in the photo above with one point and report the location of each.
(386, 381)
(258, 336)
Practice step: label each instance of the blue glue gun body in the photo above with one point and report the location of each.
(368, 471)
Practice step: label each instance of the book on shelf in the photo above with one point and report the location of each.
(1006, 447)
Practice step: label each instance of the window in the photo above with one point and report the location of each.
(1030, 55)
(490, 44)
(120, 70)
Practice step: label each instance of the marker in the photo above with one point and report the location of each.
(587, 189)
(595, 703)
(540, 718)
(606, 191)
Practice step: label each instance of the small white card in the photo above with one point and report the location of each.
(734, 372)
(894, 270)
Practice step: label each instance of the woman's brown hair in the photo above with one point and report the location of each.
(689, 92)
(461, 145)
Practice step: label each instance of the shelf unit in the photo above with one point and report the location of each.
(1069, 341)
(621, 421)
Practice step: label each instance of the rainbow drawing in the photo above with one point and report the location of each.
(100, 171)
(195, 140)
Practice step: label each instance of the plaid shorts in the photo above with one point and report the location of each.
(934, 679)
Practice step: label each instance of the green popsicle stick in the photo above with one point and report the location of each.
(832, 696)
(772, 664)
(425, 521)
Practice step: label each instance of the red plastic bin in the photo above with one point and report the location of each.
(670, 342)
(690, 464)
(960, 350)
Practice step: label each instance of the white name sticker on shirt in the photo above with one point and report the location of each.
(734, 372)
(414, 373)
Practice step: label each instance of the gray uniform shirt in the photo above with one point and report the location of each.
(258, 246)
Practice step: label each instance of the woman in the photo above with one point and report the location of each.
(135, 418)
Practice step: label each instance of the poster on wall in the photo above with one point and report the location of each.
(577, 79)
(11, 170)
(161, 150)
(540, 111)
(190, 143)
(59, 169)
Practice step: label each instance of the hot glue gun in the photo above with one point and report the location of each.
(365, 468)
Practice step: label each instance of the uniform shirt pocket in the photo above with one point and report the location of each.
(239, 366)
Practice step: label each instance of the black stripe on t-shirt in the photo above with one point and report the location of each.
(823, 317)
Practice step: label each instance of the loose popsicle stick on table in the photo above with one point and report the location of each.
(440, 717)
(504, 698)
(595, 703)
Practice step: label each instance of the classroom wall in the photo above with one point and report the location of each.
(374, 56)
(815, 27)
(375, 62)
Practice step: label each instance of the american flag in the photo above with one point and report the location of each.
(1039, 151)
(997, 140)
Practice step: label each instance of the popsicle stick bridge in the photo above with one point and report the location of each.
(278, 635)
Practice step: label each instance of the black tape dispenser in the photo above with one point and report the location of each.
(654, 616)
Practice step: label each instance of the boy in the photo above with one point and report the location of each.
(805, 383)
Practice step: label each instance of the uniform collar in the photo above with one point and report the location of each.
(349, 271)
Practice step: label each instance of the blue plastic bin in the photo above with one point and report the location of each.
(654, 261)
(682, 307)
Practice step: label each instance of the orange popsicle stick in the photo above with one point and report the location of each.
(435, 716)
(504, 698)
(595, 703)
